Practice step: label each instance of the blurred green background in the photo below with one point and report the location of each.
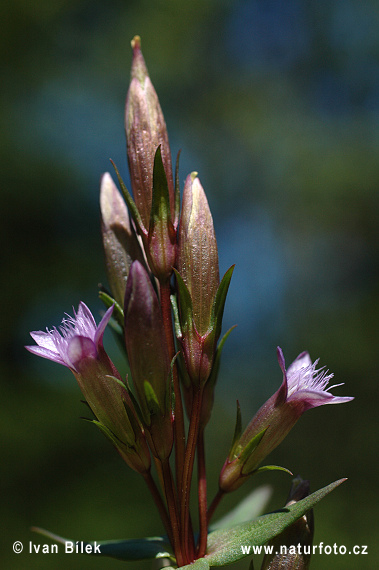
(276, 104)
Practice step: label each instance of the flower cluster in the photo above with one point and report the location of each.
(166, 296)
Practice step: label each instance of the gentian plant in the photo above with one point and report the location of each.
(165, 304)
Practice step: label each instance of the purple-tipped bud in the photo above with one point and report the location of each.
(148, 358)
(78, 344)
(303, 387)
(145, 131)
(291, 549)
(121, 246)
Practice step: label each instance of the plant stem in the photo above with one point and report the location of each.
(172, 510)
(179, 415)
(214, 504)
(159, 503)
(202, 495)
(188, 468)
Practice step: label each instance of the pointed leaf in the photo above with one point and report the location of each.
(160, 205)
(219, 302)
(139, 549)
(185, 303)
(273, 468)
(130, 203)
(118, 313)
(224, 546)
(244, 452)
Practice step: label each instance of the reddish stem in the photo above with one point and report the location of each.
(172, 510)
(179, 415)
(188, 469)
(202, 495)
(214, 504)
(159, 503)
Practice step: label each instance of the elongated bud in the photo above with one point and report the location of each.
(145, 131)
(197, 252)
(201, 295)
(121, 246)
(148, 358)
(291, 550)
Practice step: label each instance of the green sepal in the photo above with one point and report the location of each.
(244, 452)
(237, 433)
(130, 203)
(151, 400)
(175, 312)
(253, 444)
(219, 302)
(118, 312)
(185, 302)
(224, 546)
(271, 468)
(108, 433)
(177, 192)
(135, 549)
(160, 203)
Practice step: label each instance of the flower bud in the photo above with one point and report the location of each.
(291, 549)
(145, 131)
(148, 359)
(303, 387)
(201, 296)
(121, 246)
(198, 255)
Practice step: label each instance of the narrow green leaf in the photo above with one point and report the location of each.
(151, 399)
(160, 204)
(237, 431)
(118, 313)
(185, 304)
(139, 549)
(244, 453)
(273, 468)
(175, 312)
(224, 546)
(130, 203)
(248, 509)
(219, 302)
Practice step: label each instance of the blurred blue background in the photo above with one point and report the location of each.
(276, 104)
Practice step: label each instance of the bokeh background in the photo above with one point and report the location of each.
(276, 104)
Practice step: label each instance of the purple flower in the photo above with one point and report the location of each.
(77, 338)
(307, 385)
(304, 387)
(78, 344)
